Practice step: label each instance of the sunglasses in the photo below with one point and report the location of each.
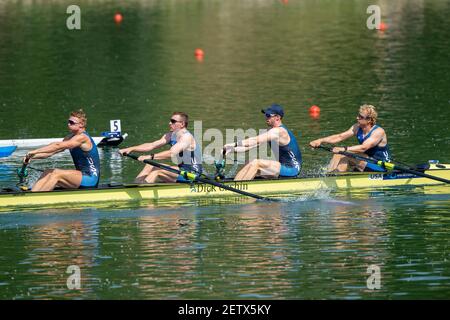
(173, 121)
(269, 115)
(360, 116)
(71, 122)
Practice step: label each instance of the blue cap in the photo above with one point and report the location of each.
(273, 109)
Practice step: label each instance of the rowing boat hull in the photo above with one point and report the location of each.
(126, 193)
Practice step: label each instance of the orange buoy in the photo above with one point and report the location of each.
(314, 115)
(199, 52)
(314, 109)
(118, 18)
(314, 112)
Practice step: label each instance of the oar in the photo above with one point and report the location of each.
(22, 173)
(194, 177)
(220, 173)
(386, 165)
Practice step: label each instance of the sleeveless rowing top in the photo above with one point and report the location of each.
(290, 154)
(192, 161)
(88, 162)
(377, 152)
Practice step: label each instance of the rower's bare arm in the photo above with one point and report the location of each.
(250, 143)
(147, 147)
(230, 147)
(335, 138)
(41, 155)
(183, 144)
(178, 147)
(166, 154)
(157, 156)
(57, 147)
(374, 139)
(247, 144)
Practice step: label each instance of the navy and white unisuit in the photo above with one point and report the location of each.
(289, 156)
(88, 162)
(377, 152)
(191, 162)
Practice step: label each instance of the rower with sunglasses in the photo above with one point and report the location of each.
(283, 144)
(372, 142)
(84, 155)
(184, 150)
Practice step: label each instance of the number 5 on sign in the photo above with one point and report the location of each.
(115, 125)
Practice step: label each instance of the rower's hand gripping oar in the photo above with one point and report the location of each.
(23, 173)
(220, 167)
(387, 165)
(194, 177)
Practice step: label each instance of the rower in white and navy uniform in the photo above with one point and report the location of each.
(84, 154)
(372, 142)
(188, 160)
(283, 144)
(184, 151)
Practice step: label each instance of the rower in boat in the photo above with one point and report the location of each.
(283, 144)
(184, 150)
(84, 154)
(372, 142)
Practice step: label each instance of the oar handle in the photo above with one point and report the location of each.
(22, 173)
(326, 148)
(186, 174)
(358, 157)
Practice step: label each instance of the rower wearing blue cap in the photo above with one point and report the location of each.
(283, 144)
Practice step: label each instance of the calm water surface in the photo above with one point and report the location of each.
(311, 249)
(256, 53)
